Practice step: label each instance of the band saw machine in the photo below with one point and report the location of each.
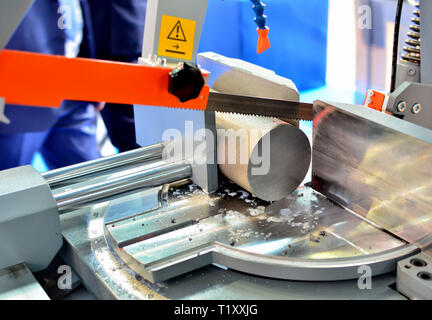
(222, 221)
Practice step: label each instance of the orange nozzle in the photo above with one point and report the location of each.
(263, 40)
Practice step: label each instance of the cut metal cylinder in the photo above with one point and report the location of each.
(268, 157)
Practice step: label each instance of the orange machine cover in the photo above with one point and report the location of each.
(45, 80)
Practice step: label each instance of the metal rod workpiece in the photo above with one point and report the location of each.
(165, 173)
(153, 152)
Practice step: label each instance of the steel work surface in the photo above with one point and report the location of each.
(303, 237)
(107, 276)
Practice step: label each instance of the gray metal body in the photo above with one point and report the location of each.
(18, 283)
(413, 82)
(426, 41)
(29, 224)
(15, 11)
(155, 125)
(29, 221)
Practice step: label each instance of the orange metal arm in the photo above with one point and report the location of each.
(45, 81)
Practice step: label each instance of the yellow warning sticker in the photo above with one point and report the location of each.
(176, 38)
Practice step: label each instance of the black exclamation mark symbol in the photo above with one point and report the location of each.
(178, 29)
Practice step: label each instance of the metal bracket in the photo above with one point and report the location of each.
(3, 118)
(415, 97)
(414, 277)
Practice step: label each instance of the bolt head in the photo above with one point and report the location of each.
(186, 81)
(416, 109)
(401, 107)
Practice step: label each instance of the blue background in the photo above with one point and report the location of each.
(298, 35)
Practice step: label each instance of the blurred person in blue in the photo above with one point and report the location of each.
(115, 29)
(63, 136)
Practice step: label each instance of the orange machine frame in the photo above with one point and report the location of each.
(46, 80)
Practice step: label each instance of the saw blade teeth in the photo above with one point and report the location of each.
(257, 106)
(262, 116)
(244, 114)
(275, 116)
(247, 114)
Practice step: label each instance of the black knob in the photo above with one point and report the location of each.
(186, 81)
